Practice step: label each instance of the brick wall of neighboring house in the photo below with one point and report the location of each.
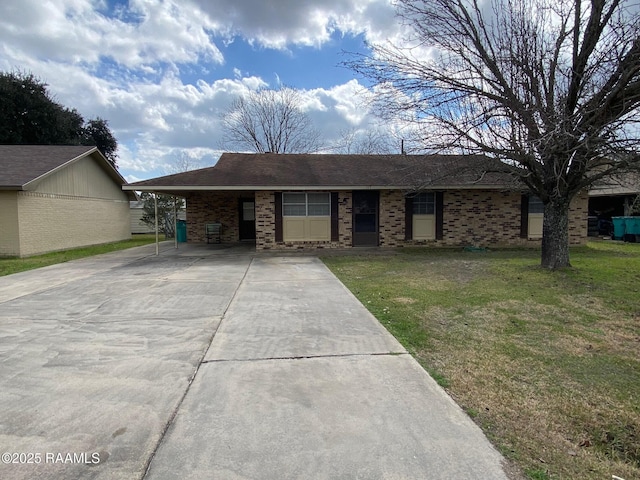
(9, 237)
(213, 207)
(51, 222)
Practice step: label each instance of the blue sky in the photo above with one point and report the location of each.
(162, 71)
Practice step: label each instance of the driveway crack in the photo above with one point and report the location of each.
(173, 415)
(306, 357)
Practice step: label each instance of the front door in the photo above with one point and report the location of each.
(247, 209)
(365, 218)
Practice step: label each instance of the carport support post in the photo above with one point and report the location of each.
(155, 206)
(175, 221)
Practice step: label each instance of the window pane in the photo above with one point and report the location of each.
(293, 198)
(318, 198)
(248, 211)
(535, 205)
(424, 203)
(319, 210)
(294, 210)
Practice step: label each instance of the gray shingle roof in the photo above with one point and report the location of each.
(21, 164)
(264, 171)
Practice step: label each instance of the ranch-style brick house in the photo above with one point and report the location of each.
(313, 201)
(56, 197)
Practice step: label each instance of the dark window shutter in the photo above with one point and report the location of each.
(278, 199)
(439, 215)
(524, 216)
(408, 218)
(334, 217)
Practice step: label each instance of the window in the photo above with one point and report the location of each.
(535, 205)
(536, 218)
(306, 216)
(424, 216)
(424, 204)
(306, 205)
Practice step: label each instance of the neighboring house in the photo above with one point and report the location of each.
(295, 201)
(614, 197)
(136, 209)
(59, 197)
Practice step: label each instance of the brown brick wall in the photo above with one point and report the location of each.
(481, 218)
(266, 225)
(470, 217)
(213, 207)
(490, 218)
(391, 218)
(578, 215)
(265, 221)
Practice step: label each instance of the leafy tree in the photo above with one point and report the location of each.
(269, 121)
(30, 116)
(166, 220)
(549, 87)
(97, 132)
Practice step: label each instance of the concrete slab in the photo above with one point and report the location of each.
(301, 381)
(103, 373)
(359, 417)
(96, 356)
(295, 318)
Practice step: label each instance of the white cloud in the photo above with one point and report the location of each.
(127, 65)
(75, 31)
(281, 23)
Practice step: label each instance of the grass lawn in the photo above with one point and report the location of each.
(15, 265)
(547, 363)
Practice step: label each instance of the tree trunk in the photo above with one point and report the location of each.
(555, 234)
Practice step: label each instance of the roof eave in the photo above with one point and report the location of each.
(211, 188)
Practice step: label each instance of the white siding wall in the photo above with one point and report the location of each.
(136, 223)
(9, 240)
(84, 178)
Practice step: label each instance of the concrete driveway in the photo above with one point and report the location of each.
(214, 363)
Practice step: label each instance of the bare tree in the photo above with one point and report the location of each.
(269, 121)
(183, 163)
(369, 141)
(549, 87)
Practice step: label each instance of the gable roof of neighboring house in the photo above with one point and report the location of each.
(248, 171)
(23, 166)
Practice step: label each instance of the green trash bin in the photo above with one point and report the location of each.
(618, 227)
(181, 231)
(632, 225)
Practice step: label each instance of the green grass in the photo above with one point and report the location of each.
(15, 265)
(547, 363)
